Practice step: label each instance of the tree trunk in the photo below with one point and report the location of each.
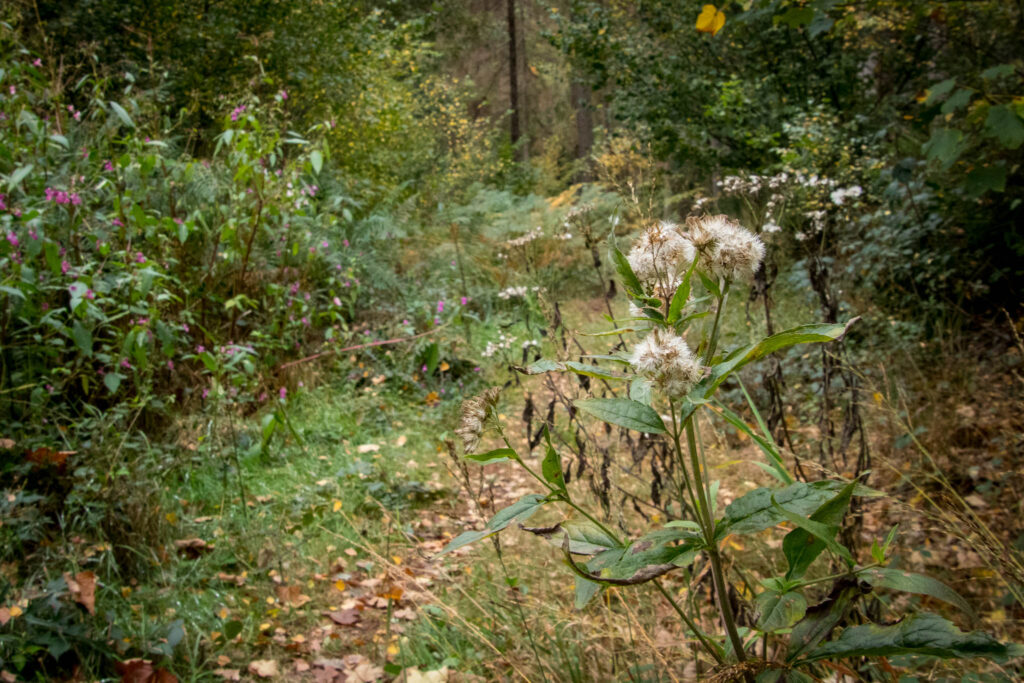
(513, 74)
(580, 94)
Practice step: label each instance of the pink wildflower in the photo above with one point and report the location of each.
(283, 393)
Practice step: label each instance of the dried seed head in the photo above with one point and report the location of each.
(660, 252)
(727, 249)
(667, 360)
(475, 413)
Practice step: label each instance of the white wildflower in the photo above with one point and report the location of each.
(771, 227)
(660, 252)
(727, 249)
(667, 360)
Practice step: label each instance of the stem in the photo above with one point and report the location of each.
(713, 343)
(708, 645)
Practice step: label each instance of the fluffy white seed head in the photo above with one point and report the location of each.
(727, 249)
(660, 252)
(666, 359)
(475, 413)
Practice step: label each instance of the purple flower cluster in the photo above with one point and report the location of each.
(62, 197)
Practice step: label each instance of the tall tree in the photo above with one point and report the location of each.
(515, 130)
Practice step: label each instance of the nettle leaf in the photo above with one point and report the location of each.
(984, 179)
(82, 337)
(754, 511)
(940, 90)
(316, 158)
(907, 582)
(497, 455)
(801, 547)
(623, 412)
(920, 634)
(944, 146)
(1003, 124)
(519, 511)
(805, 334)
(779, 610)
(585, 537)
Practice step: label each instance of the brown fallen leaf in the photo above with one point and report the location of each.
(7, 444)
(192, 547)
(345, 617)
(143, 671)
(264, 668)
(291, 595)
(300, 666)
(5, 616)
(7, 677)
(228, 674)
(237, 579)
(83, 589)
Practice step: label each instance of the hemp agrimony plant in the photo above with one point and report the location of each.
(678, 280)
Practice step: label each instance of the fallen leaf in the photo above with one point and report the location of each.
(264, 668)
(237, 579)
(83, 589)
(400, 441)
(7, 444)
(192, 547)
(368, 448)
(5, 616)
(291, 595)
(228, 674)
(143, 671)
(300, 666)
(7, 677)
(414, 675)
(345, 617)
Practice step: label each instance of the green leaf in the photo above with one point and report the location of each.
(943, 146)
(779, 610)
(754, 511)
(823, 617)
(657, 548)
(497, 455)
(640, 390)
(232, 629)
(998, 71)
(776, 467)
(112, 380)
(804, 334)
(623, 412)
(940, 90)
(122, 114)
(519, 511)
(681, 296)
(795, 17)
(984, 179)
(18, 175)
(629, 279)
(82, 337)
(542, 366)
(593, 371)
(960, 99)
(1003, 124)
(551, 466)
(584, 591)
(433, 358)
(907, 582)
(316, 158)
(920, 634)
(824, 532)
(801, 547)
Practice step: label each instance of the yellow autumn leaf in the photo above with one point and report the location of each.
(339, 584)
(711, 20)
(337, 505)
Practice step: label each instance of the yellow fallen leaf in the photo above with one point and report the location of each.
(392, 649)
(711, 20)
(340, 585)
(337, 505)
(444, 366)
(223, 613)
